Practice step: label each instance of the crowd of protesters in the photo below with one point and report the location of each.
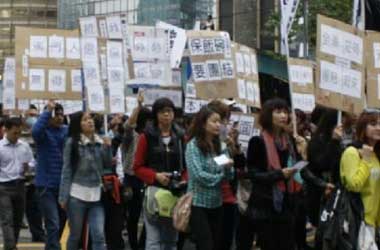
(58, 169)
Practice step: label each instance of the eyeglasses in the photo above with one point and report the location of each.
(166, 110)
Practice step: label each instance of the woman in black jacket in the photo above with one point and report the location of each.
(270, 157)
(322, 173)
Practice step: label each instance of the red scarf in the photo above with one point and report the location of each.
(275, 164)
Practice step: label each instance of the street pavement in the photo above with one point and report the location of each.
(26, 244)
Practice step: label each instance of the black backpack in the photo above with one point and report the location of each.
(341, 218)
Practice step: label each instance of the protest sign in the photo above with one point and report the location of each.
(340, 66)
(247, 77)
(247, 125)
(45, 59)
(151, 56)
(177, 42)
(152, 94)
(372, 55)
(301, 76)
(212, 64)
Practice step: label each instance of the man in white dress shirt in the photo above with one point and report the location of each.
(15, 158)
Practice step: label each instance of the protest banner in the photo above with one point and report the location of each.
(192, 103)
(247, 76)
(150, 51)
(212, 64)
(372, 55)
(247, 125)
(47, 64)
(177, 42)
(107, 63)
(340, 66)
(301, 77)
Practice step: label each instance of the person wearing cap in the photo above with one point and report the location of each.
(49, 134)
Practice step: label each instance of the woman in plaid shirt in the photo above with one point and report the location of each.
(205, 178)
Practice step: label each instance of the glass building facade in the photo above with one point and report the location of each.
(181, 13)
(36, 13)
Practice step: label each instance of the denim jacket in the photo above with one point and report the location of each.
(94, 158)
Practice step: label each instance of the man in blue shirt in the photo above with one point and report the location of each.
(15, 159)
(49, 134)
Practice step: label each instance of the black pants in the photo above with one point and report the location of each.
(114, 223)
(12, 206)
(230, 212)
(134, 208)
(276, 234)
(33, 214)
(245, 233)
(206, 227)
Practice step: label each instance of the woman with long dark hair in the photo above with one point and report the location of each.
(86, 156)
(205, 178)
(270, 158)
(323, 153)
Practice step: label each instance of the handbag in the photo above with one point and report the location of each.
(159, 202)
(243, 194)
(182, 213)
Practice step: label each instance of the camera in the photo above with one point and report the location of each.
(176, 185)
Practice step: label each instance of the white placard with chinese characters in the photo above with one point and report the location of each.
(376, 55)
(114, 54)
(37, 79)
(95, 97)
(116, 98)
(114, 27)
(38, 46)
(91, 74)
(340, 80)
(378, 87)
(301, 74)
(130, 103)
(88, 26)
(151, 95)
(56, 47)
(242, 91)
(76, 80)
(89, 48)
(177, 40)
(341, 44)
(57, 80)
(115, 77)
(200, 72)
(72, 48)
(304, 102)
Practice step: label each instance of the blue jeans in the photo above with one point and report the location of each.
(160, 234)
(54, 217)
(77, 212)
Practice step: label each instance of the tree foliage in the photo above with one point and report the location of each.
(337, 9)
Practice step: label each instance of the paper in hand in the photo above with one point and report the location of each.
(222, 160)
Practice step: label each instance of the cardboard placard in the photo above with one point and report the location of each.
(42, 68)
(247, 125)
(247, 77)
(372, 56)
(301, 76)
(150, 51)
(213, 69)
(152, 94)
(340, 66)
